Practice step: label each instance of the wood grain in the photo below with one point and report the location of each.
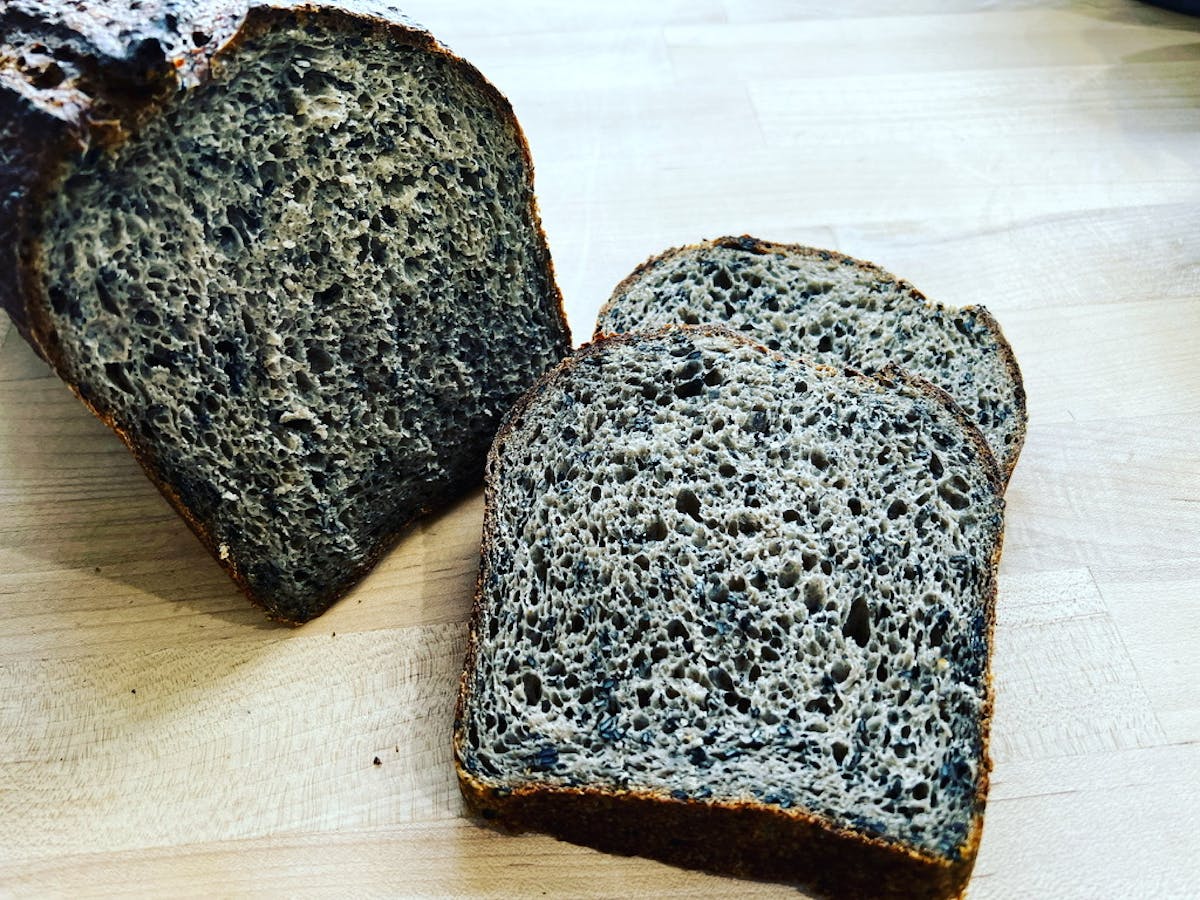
(158, 736)
(432, 859)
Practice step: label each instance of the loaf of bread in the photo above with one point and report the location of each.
(291, 256)
(832, 309)
(735, 612)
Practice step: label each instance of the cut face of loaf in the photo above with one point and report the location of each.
(304, 289)
(735, 612)
(835, 310)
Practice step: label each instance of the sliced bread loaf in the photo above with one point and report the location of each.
(735, 612)
(291, 255)
(832, 309)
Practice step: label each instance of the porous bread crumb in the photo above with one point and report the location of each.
(713, 574)
(836, 310)
(309, 288)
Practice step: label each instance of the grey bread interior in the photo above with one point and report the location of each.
(836, 310)
(308, 290)
(713, 574)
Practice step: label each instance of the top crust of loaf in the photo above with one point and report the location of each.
(616, 315)
(599, 815)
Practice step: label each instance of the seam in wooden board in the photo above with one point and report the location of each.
(1009, 625)
(1137, 675)
(1022, 797)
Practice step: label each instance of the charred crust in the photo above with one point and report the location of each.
(746, 243)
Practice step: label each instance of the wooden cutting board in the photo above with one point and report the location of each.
(158, 736)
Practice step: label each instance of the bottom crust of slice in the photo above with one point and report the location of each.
(745, 839)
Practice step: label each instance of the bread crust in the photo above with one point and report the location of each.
(123, 71)
(749, 244)
(746, 838)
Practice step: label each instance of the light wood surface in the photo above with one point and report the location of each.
(157, 736)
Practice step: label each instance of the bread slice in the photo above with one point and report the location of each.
(832, 309)
(735, 612)
(291, 255)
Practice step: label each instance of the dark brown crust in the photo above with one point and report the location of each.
(750, 244)
(746, 838)
(45, 122)
(23, 171)
(43, 133)
(743, 839)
